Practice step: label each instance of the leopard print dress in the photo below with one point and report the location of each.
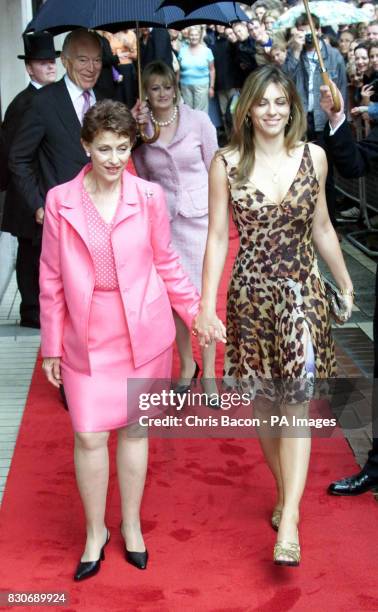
(276, 298)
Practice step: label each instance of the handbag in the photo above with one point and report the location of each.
(337, 303)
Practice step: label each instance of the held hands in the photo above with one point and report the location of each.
(326, 102)
(208, 327)
(51, 367)
(140, 112)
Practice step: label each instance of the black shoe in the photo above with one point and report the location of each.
(354, 485)
(34, 323)
(182, 389)
(138, 559)
(87, 569)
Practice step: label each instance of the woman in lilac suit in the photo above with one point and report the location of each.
(108, 282)
(179, 161)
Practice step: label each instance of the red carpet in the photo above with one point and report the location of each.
(206, 523)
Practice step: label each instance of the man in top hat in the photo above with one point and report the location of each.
(40, 63)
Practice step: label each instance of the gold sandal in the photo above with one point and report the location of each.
(287, 549)
(276, 518)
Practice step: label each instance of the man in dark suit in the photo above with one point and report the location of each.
(46, 149)
(156, 45)
(40, 63)
(354, 160)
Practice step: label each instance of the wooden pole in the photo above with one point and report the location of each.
(325, 76)
(156, 133)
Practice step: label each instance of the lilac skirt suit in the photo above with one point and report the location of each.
(181, 168)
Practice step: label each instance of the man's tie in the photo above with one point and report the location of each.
(87, 104)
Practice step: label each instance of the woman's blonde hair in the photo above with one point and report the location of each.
(242, 139)
(160, 69)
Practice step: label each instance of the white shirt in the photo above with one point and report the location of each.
(332, 130)
(35, 84)
(77, 98)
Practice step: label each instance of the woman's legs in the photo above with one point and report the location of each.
(132, 456)
(270, 442)
(187, 364)
(294, 457)
(92, 475)
(184, 345)
(288, 459)
(187, 92)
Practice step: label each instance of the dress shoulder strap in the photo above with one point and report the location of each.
(307, 162)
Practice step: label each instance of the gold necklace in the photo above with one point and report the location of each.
(275, 173)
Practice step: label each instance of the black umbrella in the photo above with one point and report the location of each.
(57, 16)
(220, 13)
(188, 6)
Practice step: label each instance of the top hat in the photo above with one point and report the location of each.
(39, 46)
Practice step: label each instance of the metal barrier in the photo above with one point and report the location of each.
(363, 191)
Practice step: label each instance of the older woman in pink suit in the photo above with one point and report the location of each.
(109, 280)
(179, 161)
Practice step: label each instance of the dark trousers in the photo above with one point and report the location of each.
(371, 466)
(318, 138)
(27, 272)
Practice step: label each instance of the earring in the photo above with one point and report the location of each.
(87, 153)
(248, 121)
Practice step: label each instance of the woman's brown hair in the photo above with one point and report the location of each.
(108, 116)
(242, 139)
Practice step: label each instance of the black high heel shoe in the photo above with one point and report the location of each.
(137, 559)
(182, 389)
(87, 569)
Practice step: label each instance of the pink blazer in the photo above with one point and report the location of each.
(151, 279)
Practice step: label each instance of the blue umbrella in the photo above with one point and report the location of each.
(59, 16)
(190, 6)
(221, 13)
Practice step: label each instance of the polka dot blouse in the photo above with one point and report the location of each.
(101, 246)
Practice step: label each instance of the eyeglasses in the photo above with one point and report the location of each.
(84, 61)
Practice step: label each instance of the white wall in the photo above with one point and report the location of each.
(14, 16)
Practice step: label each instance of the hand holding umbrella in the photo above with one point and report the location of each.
(326, 102)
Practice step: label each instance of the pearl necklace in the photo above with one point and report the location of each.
(164, 123)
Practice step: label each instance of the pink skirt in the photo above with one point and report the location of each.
(98, 402)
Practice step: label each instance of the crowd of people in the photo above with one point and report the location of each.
(112, 266)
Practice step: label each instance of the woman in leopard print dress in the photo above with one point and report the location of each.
(278, 327)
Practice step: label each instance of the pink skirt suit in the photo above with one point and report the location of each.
(96, 391)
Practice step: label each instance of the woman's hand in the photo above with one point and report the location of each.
(348, 303)
(366, 92)
(140, 112)
(358, 110)
(51, 367)
(208, 327)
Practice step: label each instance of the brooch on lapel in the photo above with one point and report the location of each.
(149, 193)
